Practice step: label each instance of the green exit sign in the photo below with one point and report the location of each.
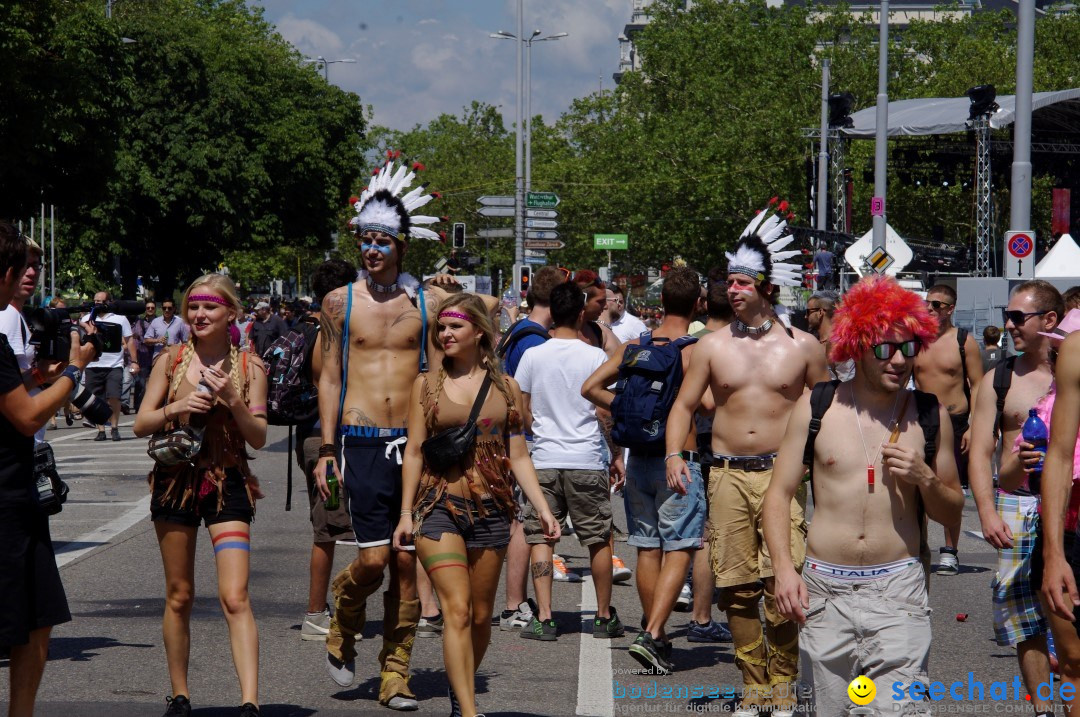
(610, 241)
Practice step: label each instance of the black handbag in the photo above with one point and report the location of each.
(448, 448)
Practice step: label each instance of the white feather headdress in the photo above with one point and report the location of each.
(758, 252)
(381, 206)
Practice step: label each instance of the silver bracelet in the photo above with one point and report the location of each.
(671, 455)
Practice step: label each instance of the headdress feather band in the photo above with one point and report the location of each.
(758, 253)
(871, 310)
(381, 206)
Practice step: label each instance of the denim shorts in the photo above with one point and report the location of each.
(658, 517)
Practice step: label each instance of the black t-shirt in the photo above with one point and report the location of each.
(16, 450)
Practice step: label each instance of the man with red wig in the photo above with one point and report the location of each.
(757, 369)
(861, 599)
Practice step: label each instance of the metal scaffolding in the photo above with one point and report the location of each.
(837, 152)
(984, 197)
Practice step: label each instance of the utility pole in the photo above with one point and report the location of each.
(1020, 191)
(821, 213)
(881, 146)
(519, 175)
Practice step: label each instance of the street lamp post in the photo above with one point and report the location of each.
(523, 182)
(320, 60)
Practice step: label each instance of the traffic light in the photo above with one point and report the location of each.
(524, 278)
(459, 235)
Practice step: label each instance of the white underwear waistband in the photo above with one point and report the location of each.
(858, 573)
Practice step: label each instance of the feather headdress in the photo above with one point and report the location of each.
(758, 252)
(382, 207)
(871, 310)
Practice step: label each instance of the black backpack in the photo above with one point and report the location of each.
(650, 375)
(291, 395)
(1003, 373)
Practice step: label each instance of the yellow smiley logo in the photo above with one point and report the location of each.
(862, 690)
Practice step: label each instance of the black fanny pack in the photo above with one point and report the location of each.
(51, 491)
(448, 448)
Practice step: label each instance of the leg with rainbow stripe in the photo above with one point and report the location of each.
(232, 551)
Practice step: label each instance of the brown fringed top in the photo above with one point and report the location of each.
(223, 448)
(485, 472)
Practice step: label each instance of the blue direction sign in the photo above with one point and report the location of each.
(535, 260)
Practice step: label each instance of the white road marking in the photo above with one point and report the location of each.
(105, 533)
(975, 534)
(594, 661)
(86, 432)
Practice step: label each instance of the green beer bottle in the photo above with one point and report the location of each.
(334, 501)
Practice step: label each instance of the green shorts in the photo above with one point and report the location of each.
(584, 495)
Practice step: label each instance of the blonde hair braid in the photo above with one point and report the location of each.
(181, 370)
(234, 370)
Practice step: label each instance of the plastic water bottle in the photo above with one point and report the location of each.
(1036, 433)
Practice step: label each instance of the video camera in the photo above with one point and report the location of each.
(50, 332)
(50, 329)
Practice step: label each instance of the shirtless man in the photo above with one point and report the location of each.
(757, 371)
(939, 370)
(1010, 515)
(372, 334)
(862, 599)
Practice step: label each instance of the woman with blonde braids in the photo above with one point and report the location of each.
(461, 516)
(207, 384)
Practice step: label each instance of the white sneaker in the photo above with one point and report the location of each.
(948, 563)
(316, 625)
(619, 572)
(561, 573)
(685, 599)
(518, 618)
(343, 673)
(745, 712)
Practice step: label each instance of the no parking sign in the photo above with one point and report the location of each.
(1020, 255)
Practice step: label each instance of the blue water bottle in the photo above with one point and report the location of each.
(1036, 433)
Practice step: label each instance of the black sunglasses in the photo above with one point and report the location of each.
(887, 349)
(938, 305)
(1019, 317)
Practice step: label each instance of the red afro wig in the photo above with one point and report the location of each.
(873, 309)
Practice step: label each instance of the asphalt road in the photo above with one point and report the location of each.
(109, 660)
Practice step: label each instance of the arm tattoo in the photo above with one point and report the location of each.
(330, 323)
(606, 424)
(541, 569)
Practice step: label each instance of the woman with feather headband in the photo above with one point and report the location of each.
(861, 599)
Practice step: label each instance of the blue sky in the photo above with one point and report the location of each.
(417, 59)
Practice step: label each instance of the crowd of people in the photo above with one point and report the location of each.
(446, 451)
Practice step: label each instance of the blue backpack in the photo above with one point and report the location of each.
(649, 379)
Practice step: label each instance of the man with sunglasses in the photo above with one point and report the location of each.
(1010, 515)
(950, 368)
(625, 325)
(861, 599)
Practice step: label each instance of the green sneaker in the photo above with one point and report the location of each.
(544, 630)
(605, 628)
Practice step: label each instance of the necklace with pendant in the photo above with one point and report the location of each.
(888, 428)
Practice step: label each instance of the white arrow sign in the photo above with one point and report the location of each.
(496, 211)
(534, 252)
(496, 201)
(541, 213)
(535, 234)
(495, 233)
(541, 224)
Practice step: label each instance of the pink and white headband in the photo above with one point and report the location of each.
(455, 315)
(209, 298)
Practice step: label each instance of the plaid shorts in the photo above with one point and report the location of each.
(1017, 613)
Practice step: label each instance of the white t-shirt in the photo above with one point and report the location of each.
(116, 358)
(628, 327)
(13, 326)
(566, 433)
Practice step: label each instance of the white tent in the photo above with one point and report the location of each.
(1061, 262)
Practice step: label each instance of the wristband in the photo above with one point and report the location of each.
(35, 374)
(165, 413)
(74, 374)
(406, 512)
(327, 450)
(672, 455)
